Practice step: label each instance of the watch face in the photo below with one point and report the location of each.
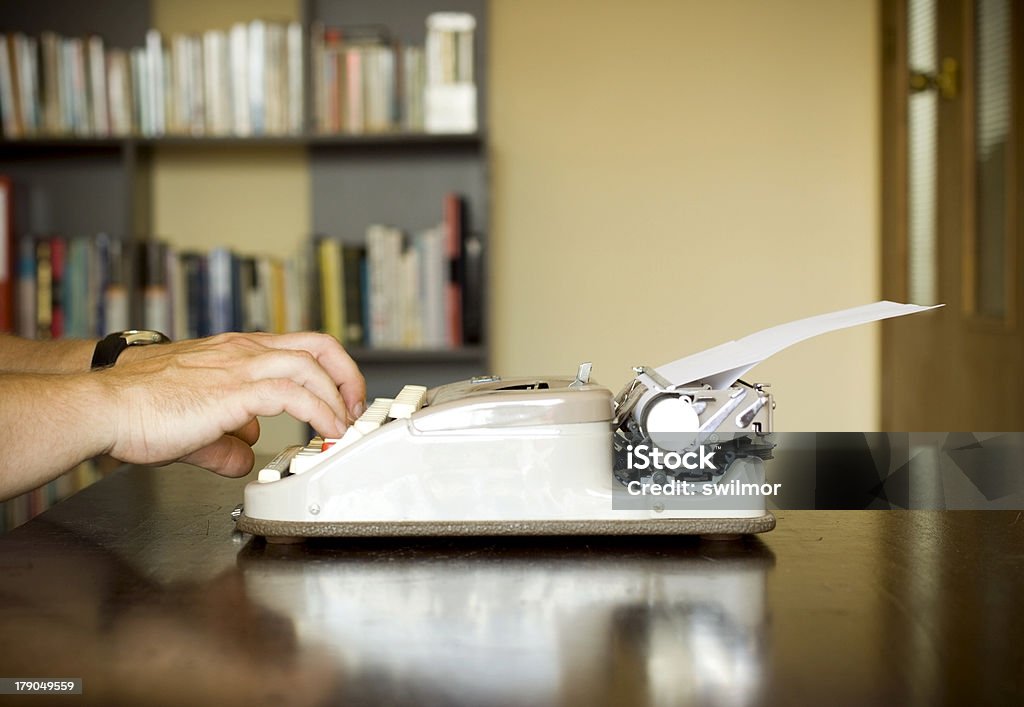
(141, 337)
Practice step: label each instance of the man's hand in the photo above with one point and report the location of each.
(197, 401)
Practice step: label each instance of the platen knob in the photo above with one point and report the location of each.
(672, 423)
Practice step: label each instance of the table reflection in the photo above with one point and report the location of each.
(140, 586)
(527, 621)
(71, 607)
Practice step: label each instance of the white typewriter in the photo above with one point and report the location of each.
(548, 455)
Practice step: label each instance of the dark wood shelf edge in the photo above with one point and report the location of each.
(26, 145)
(467, 354)
(458, 140)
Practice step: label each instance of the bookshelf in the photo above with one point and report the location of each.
(80, 185)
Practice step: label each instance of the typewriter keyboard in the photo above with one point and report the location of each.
(298, 459)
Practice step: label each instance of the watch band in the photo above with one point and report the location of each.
(110, 347)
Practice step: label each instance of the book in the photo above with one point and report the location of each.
(179, 119)
(410, 314)
(256, 72)
(295, 78)
(248, 294)
(177, 291)
(216, 77)
(275, 71)
(220, 290)
(433, 283)
(7, 256)
(26, 50)
(297, 299)
(114, 284)
(193, 268)
(68, 96)
(9, 98)
(52, 123)
(332, 287)
(377, 84)
(450, 92)
(154, 81)
(364, 288)
(272, 274)
(334, 82)
(452, 225)
(44, 289)
(319, 81)
(58, 260)
(383, 256)
(25, 316)
(78, 322)
(153, 284)
(98, 96)
(239, 57)
(256, 283)
(119, 92)
(237, 296)
(473, 289)
(353, 117)
(353, 257)
(412, 82)
(196, 97)
(99, 281)
(141, 108)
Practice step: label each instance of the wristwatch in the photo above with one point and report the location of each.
(111, 346)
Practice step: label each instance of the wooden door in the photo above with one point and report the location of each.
(953, 214)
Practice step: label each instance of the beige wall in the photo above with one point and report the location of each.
(671, 174)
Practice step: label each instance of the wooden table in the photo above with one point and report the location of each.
(140, 586)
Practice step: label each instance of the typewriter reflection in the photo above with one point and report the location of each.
(598, 619)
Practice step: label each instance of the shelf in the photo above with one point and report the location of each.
(86, 144)
(466, 354)
(59, 145)
(463, 140)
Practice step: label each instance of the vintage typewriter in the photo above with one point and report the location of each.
(681, 449)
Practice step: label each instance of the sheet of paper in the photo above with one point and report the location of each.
(720, 366)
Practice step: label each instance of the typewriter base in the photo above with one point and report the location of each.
(282, 530)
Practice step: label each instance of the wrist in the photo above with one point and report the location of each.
(73, 356)
(92, 397)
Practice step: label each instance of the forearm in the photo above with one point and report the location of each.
(19, 355)
(48, 424)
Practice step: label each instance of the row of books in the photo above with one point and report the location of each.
(87, 286)
(399, 291)
(246, 81)
(421, 290)
(363, 82)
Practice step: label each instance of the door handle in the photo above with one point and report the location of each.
(945, 81)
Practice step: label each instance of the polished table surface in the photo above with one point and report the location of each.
(140, 586)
